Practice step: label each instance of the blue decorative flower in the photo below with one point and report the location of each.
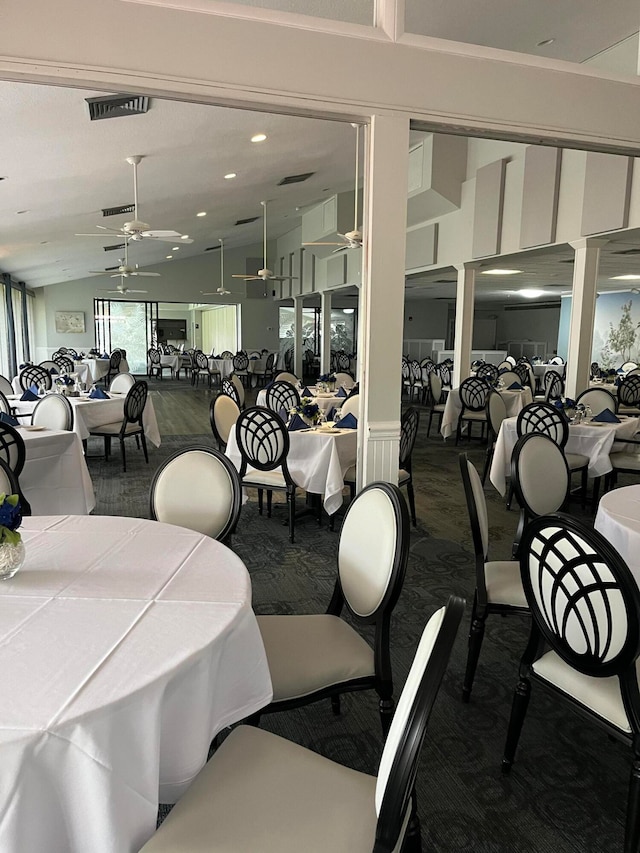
(10, 518)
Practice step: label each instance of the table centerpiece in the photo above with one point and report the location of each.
(309, 411)
(12, 550)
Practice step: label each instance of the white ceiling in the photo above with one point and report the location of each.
(62, 169)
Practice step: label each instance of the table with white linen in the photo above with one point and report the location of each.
(55, 478)
(172, 361)
(317, 461)
(618, 519)
(325, 401)
(89, 414)
(514, 402)
(80, 372)
(127, 645)
(588, 439)
(99, 367)
(540, 371)
(224, 366)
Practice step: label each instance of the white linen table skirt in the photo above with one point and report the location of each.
(224, 366)
(99, 367)
(172, 361)
(592, 440)
(126, 646)
(317, 461)
(618, 519)
(514, 401)
(88, 414)
(55, 478)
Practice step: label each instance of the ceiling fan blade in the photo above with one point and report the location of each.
(282, 278)
(137, 291)
(323, 244)
(98, 272)
(147, 274)
(160, 234)
(340, 249)
(247, 277)
(102, 236)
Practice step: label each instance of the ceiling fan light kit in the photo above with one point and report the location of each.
(265, 274)
(136, 229)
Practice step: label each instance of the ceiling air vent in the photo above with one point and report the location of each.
(114, 247)
(212, 248)
(118, 211)
(627, 252)
(445, 281)
(111, 269)
(295, 179)
(114, 106)
(568, 261)
(247, 221)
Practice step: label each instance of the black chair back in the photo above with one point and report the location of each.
(282, 395)
(546, 419)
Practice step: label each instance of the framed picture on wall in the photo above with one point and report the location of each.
(69, 322)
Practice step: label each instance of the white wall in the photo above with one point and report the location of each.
(181, 281)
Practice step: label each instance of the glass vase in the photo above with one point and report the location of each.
(11, 559)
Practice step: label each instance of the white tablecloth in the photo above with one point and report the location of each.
(126, 646)
(618, 519)
(592, 440)
(99, 367)
(94, 413)
(172, 361)
(317, 461)
(224, 366)
(514, 401)
(324, 402)
(55, 478)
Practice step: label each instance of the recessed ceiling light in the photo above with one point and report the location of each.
(625, 278)
(230, 175)
(500, 272)
(202, 213)
(168, 257)
(530, 293)
(545, 42)
(176, 249)
(185, 237)
(259, 137)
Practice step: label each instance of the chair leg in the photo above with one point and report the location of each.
(487, 462)
(632, 830)
(143, 439)
(260, 494)
(476, 636)
(521, 698)
(291, 500)
(595, 494)
(335, 705)
(429, 424)
(124, 455)
(269, 497)
(412, 502)
(412, 842)
(107, 447)
(386, 706)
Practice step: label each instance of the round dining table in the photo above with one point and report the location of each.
(127, 645)
(618, 519)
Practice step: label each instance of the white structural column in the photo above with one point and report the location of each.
(583, 309)
(382, 300)
(298, 348)
(325, 335)
(463, 342)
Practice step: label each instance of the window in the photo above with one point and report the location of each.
(220, 329)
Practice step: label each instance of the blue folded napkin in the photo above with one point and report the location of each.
(295, 423)
(29, 395)
(8, 419)
(269, 384)
(34, 389)
(254, 358)
(98, 394)
(341, 392)
(105, 355)
(606, 416)
(504, 370)
(77, 358)
(349, 421)
(305, 392)
(515, 386)
(283, 415)
(53, 371)
(331, 413)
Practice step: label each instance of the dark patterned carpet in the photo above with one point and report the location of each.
(567, 790)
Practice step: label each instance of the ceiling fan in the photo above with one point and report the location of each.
(124, 270)
(221, 291)
(265, 273)
(137, 230)
(122, 289)
(352, 239)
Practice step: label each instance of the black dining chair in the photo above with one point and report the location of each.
(130, 426)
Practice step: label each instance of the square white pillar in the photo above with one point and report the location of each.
(463, 341)
(325, 337)
(382, 300)
(583, 311)
(298, 303)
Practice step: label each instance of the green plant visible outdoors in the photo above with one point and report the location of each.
(128, 330)
(622, 338)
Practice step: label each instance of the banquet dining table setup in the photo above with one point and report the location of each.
(122, 642)
(589, 438)
(91, 413)
(515, 400)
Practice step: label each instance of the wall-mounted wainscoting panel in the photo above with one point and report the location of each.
(381, 461)
(489, 202)
(308, 263)
(337, 270)
(607, 191)
(540, 196)
(422, 246)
